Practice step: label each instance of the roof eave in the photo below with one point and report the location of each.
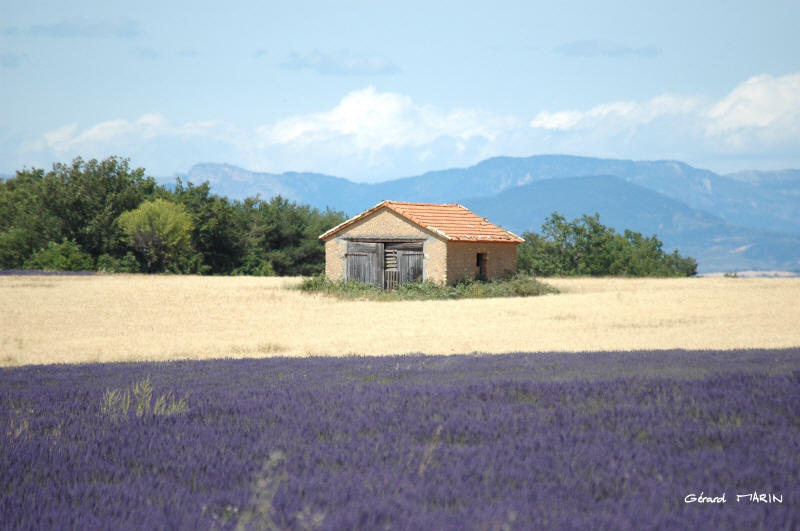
(440, 232)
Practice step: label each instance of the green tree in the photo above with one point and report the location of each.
(159, 232)
(281, 237)
(215, 235)
(87, 197)
(538, 255)
(26, 224)
(584, 246)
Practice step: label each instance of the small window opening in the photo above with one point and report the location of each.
(480, 263)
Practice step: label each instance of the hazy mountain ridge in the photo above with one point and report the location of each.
(237, 183)
(716, 244)
(735, 201)
(769, 203)
(742, 220)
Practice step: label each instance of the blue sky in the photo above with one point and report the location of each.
(378, 90)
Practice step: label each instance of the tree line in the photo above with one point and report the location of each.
(105, 216)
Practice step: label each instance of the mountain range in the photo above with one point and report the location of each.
(748, 220)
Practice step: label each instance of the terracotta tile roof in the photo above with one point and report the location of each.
(452, 222)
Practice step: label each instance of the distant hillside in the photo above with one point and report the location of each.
(743, 220)
(620, 204)
(783, 184)
(311, 188)
(717, 245)
(761, 204)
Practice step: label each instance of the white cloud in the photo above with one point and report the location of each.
(620, 114)
(758, 102)
(103, 132)
(152, 123)
(759, 118)
(561, 120)
(368, 121)
(762, 112)
(60, 135)
(371, 135)
(149, 140)
(129, 134)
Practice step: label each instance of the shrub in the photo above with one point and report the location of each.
(126, 264)
(107, 263)
(516, 286)
(64, 256)
(129, 264)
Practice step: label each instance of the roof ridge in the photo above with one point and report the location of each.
(417, 203)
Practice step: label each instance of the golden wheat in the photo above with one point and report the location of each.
(131, 317)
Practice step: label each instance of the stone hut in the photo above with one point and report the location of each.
(396, 242)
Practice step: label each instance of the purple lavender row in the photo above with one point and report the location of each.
(598, 440)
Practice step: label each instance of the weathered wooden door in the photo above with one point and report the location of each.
(409, 265)
(384, 264)
(363, 263)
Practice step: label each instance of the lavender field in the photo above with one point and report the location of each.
(604, 441)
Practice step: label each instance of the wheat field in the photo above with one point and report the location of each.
(63, 319)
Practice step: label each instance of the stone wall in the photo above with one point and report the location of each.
(387, 224)
(501, 260)
(334, 259)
